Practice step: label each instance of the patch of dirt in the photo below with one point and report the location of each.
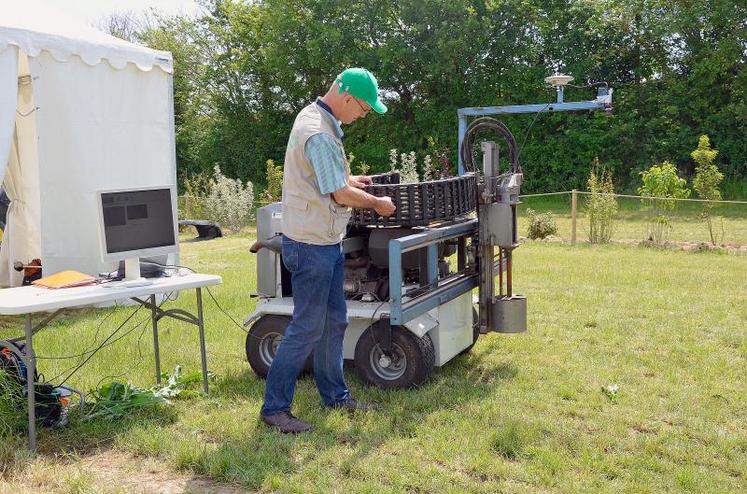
(135, 474)
(697, 246)
(108, 472)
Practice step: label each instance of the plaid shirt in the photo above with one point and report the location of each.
(326, 156)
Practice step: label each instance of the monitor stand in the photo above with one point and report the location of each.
(132, 277)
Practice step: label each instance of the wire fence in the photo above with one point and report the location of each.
(632, 222)
(636, 217)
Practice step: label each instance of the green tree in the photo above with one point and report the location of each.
(244, 69)
(274, 176)
(662, 185)
(193, 114)
(706, 181)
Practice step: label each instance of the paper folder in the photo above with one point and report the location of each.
(65, 279)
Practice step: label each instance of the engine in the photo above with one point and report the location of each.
(367, 263)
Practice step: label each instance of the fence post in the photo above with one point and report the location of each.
(187, 214)
(573, 217)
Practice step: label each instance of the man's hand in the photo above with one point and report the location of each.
(359, 181)
(356, 198)
(384, 206)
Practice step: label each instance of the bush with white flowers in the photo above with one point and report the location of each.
(230, 202)
(407, 166)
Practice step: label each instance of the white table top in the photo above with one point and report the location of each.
(30, 299)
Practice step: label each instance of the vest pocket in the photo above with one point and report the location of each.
(340, 217)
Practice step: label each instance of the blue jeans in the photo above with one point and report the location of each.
(319, 321)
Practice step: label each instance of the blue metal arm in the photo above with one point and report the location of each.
(603, 102)
(439, 291)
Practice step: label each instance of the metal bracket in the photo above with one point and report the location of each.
(383, 333)
(39, 326)
(180, 314)
(405, 308)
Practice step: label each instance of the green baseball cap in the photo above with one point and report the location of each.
(361, 84)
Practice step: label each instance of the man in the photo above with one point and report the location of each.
(318, 192)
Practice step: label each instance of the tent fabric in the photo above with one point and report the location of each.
(89, 113)
(8, 99)
(36, 25)
(21, 239)
(99, 129)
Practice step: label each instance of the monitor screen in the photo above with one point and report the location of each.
(137, 220)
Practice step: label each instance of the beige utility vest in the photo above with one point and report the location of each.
(309, 216)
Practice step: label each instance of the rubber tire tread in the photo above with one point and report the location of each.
(475, 332)
(419, 350)
(269, 323)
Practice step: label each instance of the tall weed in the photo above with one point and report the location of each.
(601, 206)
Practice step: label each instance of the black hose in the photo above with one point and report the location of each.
(488, 123)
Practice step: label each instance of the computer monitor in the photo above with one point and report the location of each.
(137, 223)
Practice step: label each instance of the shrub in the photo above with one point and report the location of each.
(407, 166)
(706, 182)
(429, 170)
(363, 168)
(436, 164)
(274, 174)
(662, 183)
(230, 202)
(601, 206)
(541, 225)
(196, 190)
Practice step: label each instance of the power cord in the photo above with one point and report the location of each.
(526, 134)
(105, 343)
(89, 349)
(140, 356)
(168, 266)
(139, 349)
(240, 326)
(488, 123)
(591, 84)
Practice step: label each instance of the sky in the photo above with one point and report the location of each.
(91, 11)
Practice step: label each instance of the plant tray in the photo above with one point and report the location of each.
(420, 203)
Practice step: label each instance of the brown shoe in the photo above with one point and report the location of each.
(352, 405)
(286, 423)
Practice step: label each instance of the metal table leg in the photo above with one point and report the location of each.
(181, 315)
(31, 385)
(154, 321)
(203, 353)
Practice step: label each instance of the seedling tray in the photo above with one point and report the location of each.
(420, 203)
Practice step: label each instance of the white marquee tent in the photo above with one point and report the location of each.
(80, 111)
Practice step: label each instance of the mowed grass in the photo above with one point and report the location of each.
(521, 413)
(632, 220)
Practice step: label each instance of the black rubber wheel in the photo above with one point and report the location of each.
(475, 331)
(262, 342)
(409, 365)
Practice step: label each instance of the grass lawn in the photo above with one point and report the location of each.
(521, 413)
